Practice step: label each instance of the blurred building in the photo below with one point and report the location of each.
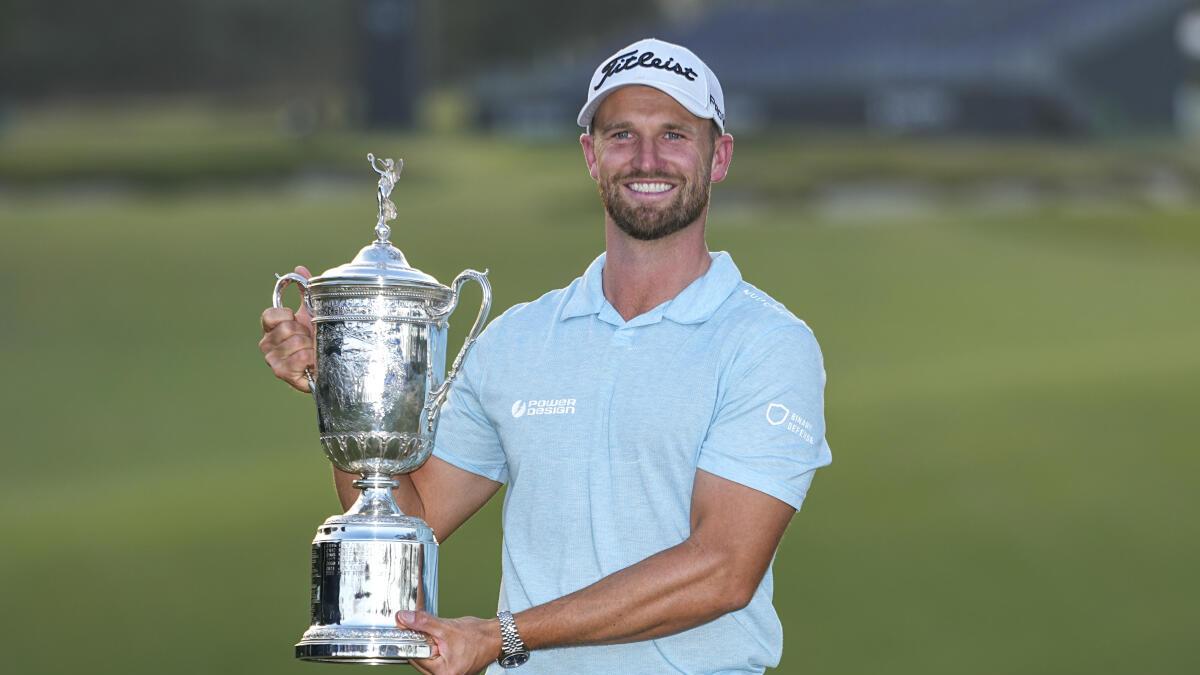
(394, 60)
(1027, 67)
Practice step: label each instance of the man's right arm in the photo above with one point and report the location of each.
(441, 494)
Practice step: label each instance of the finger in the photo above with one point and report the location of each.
(300, 384)
(300, 381)
(408, 620)
(292, 357)
(297, 376)
(420, 666)
(436, 663)
(433, 642)
(287, 329)
(291, 330)
(414, 620)
(304, 318)
(292, 369)
(280, 350)
(302, 360)
(292, 344)
(422, 621)
(274, 316)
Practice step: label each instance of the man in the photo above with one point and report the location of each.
(657, 421)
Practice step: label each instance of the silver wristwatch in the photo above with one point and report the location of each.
(512, 650)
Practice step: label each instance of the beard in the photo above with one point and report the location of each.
(648, 222)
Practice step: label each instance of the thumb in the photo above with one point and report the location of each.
(421, 621)
(304, 316)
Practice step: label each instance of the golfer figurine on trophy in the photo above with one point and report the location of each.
(381, 350)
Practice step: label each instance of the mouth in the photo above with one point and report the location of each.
(649, 189)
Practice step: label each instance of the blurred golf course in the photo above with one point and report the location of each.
(1011, 399)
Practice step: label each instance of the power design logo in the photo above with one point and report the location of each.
(543, 406)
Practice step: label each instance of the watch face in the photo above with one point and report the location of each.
(514, 660)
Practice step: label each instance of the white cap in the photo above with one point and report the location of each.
(671, 69)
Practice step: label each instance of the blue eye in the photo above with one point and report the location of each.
(671, 135)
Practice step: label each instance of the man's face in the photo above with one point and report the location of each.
(653, 162)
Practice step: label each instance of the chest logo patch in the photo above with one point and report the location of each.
(543, 406)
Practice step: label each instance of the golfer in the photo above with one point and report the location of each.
(657, 422)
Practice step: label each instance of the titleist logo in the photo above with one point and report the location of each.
(623, 62)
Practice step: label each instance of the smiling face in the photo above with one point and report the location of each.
(653, 161)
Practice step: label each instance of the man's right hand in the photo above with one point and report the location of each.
(289, 342)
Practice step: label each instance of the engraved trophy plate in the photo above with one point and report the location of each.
(378, 388)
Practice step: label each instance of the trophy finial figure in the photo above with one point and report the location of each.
(389, 172)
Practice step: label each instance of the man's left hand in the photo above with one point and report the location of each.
(463, 646)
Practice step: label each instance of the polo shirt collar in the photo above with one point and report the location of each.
(694, 304)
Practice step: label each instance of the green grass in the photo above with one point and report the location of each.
(1010, 405)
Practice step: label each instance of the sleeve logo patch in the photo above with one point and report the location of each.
(778, 415)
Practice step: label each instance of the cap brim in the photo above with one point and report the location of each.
(588, 111)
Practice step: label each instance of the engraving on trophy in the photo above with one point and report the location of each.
(379, 384)
(360, 633)
(325, 565)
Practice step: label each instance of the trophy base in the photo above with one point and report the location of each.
(367, 564)
(382, 647)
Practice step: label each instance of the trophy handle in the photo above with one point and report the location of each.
(434, 407)
(281, 282)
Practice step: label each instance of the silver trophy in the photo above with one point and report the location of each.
(378, 386)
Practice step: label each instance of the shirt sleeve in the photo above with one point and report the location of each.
(768, 432)
(466, 436)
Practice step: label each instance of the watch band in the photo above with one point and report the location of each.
(512, 649)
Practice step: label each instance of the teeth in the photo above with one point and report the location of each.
(650, 187)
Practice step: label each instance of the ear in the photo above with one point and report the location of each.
(589, 154)
(722, 158)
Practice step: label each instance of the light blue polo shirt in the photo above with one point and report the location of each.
(597, 426)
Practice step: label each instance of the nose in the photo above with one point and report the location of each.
(647, 158)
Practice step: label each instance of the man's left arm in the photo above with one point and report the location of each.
(716, 570)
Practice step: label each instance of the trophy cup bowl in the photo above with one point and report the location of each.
(381, 329)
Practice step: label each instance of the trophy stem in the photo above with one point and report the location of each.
(376, 498)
